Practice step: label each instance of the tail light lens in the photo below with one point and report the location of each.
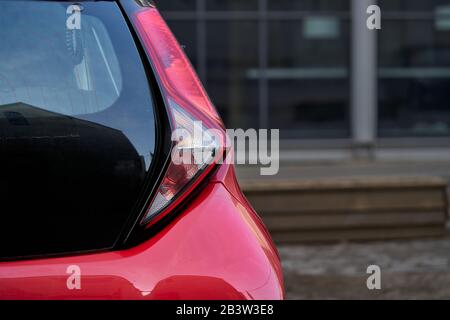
(197, 131)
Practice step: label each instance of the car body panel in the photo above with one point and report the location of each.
(216, 249)
(211, 246)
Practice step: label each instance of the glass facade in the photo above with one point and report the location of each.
(414, 69)
(287, 64)
(218, 5)
(310, 5)
(308, 57)
(229, 57)
(267, 64)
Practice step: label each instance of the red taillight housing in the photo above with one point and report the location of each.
(190, 113)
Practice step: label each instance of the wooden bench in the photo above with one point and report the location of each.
(362, 208)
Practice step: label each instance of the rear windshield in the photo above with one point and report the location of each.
(77, 128)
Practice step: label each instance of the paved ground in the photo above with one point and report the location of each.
(416, 269)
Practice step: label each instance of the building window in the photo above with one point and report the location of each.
(232, 50)
(234, 5)
(279, 64)
(308, 72)
(177, 5)
(310, 5)
(414, 69)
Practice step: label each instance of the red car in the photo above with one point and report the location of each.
(93, 204)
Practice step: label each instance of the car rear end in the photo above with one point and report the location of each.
(97, 99)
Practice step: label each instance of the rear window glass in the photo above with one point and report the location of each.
(70, 71)
(77, 127)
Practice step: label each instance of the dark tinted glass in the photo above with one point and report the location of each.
(177, 5)
(232, 58)
(309, 108)
(77, 130)
(414, 77)
(220, 5)
(413, 5)
(309, 93)
(310, 5)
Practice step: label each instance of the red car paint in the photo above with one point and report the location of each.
(216, 248)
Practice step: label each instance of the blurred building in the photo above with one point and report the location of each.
(311, 68)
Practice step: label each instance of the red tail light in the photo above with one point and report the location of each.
(189, 108)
